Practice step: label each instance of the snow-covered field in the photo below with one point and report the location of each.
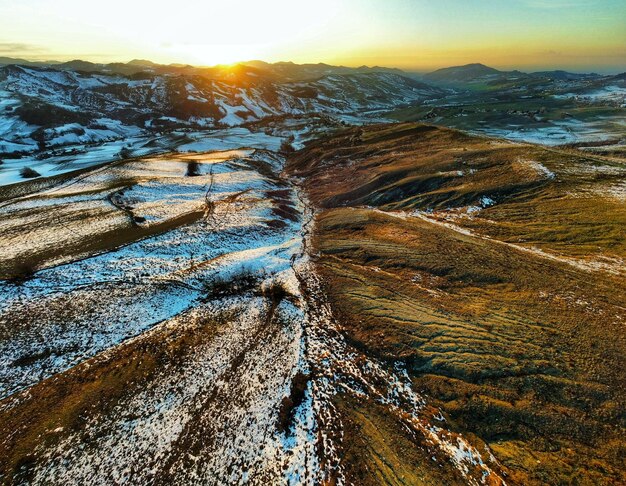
(192, 141)
(211, 303)
(608, 94)
(559, 132)
(163, 192)
(228, 138)
(230, 383)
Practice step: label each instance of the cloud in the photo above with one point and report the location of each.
(18, 47)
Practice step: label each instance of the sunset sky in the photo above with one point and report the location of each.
(578, 35)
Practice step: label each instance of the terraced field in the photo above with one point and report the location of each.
(494, 272)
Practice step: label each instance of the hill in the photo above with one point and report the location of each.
(393, 303)
(495, 273)
(459, 74)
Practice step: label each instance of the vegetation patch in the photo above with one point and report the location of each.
(290, 403)
(28, 173)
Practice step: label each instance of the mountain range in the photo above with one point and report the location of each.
(291, 71)
(81, 102)
(49, 112)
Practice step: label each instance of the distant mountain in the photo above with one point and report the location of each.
(563, 75)
(143, 63)
(465, 73)
(83, 102)
(248, 70)
(79, 65)
(11, 60)
(479, 73)
(4, 61)
(300, 72)
(124, 69)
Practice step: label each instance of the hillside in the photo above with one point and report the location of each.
(471, 73)
(50, 115)
(395, 304)
(495, 273)
(468, 72)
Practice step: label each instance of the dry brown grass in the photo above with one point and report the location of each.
(521, 351)
(378, 450)
(420, 167)
(33, 422)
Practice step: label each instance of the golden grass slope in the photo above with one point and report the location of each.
(495, 271)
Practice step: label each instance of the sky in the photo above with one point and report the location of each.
(416, 35)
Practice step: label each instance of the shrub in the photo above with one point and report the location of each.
(225, 286)
(286, 146)
(22, 272)
(80, 131)
(46, 115)
(290, 403)
(183, 109)
(39, 136)
(193, 169)
(125, 153)
(306, 92)
(276, 292)
(28, 173)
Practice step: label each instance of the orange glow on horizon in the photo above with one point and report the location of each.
(413, 35)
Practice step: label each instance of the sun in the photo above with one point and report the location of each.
(214, 54)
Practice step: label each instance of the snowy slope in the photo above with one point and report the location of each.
(45, 108)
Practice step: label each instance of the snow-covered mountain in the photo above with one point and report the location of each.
(46, 107)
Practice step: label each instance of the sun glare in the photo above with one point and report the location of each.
(402, 33)
(211, 33)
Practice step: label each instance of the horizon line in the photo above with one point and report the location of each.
(52, 62)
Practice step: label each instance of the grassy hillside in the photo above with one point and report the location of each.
(495, 272)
